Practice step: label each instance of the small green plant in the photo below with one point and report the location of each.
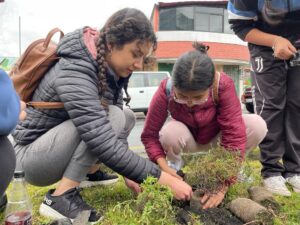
(152, 206)
(211, 171)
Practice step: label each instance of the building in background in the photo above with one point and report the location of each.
(179, 24)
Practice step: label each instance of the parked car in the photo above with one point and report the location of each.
(247, 99)
(142, 86)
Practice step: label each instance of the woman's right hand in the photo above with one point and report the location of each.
(180, 189)
(283, 49)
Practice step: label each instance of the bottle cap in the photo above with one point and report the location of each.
(19, 174)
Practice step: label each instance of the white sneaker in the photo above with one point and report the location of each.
(276, 185)
(295, 182)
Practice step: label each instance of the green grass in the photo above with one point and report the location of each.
(109, 198)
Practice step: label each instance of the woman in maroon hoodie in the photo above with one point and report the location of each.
(198, 119)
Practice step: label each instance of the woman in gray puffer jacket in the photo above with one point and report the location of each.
(65, 144)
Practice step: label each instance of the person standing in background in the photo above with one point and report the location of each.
(272, 30)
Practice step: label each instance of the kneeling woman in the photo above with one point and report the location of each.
(198, 118)
(65, 144)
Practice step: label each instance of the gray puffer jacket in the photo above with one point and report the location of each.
(73, 81)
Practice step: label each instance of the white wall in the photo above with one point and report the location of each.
(199, 36)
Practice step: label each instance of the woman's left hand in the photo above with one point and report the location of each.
(135, 187)
(213, 200)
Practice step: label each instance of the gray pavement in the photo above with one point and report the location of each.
(134, 138)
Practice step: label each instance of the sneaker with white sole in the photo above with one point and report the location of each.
(295, 182)
(276, 185)
(99, 178)
(68, 205)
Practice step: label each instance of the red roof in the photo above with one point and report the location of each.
(173, 49)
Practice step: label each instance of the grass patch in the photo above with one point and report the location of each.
(209, 172)
(118, 203)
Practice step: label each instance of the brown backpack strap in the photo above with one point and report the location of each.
(50, 35)
(215, 88)
(46, 105)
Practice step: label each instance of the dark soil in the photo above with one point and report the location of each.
(214, 216)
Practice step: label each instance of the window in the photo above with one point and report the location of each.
(167, 19)
(156, 78)
(198, 18)
(185, 18)
(209, 19)
(136, 80)
(215, 23)
(201, 22)
(227, 28)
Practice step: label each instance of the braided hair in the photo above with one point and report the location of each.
(123, 27)
(194, 71)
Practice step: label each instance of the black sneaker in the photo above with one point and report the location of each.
(99, 178)
(68, 205)
(3, 202)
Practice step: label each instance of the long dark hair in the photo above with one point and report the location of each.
(272, 16)
(194, 71)
(123, 27)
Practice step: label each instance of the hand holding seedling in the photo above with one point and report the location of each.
(213, 200)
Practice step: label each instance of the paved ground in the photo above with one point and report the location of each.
(134, 138)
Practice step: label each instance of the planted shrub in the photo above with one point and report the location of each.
(211, 171)
(152, 206)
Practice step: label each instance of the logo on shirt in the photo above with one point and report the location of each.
(259, 64)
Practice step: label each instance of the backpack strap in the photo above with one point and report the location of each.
(50, 35)
(46, 105)
(169, 87)
(215, 88)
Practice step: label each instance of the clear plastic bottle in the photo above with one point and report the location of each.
(18, 209)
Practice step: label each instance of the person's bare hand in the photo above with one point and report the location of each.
(283, 49)
(213, 200)
(180, 189)
(135, 187)
(22, 114)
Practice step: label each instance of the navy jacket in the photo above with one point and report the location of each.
(245, 15)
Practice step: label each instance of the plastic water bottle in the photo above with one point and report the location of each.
(18, 209)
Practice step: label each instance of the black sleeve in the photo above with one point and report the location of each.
(241, 27)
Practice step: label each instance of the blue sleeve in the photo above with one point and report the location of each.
(242, 16)
(9, 105)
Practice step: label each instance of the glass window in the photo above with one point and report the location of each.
(209, 10)
(137, 80)
(167, 19)
(198, 18)
(185, 18)
(215, 23)
(226, 24)
(156, 78)
(201, 22)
